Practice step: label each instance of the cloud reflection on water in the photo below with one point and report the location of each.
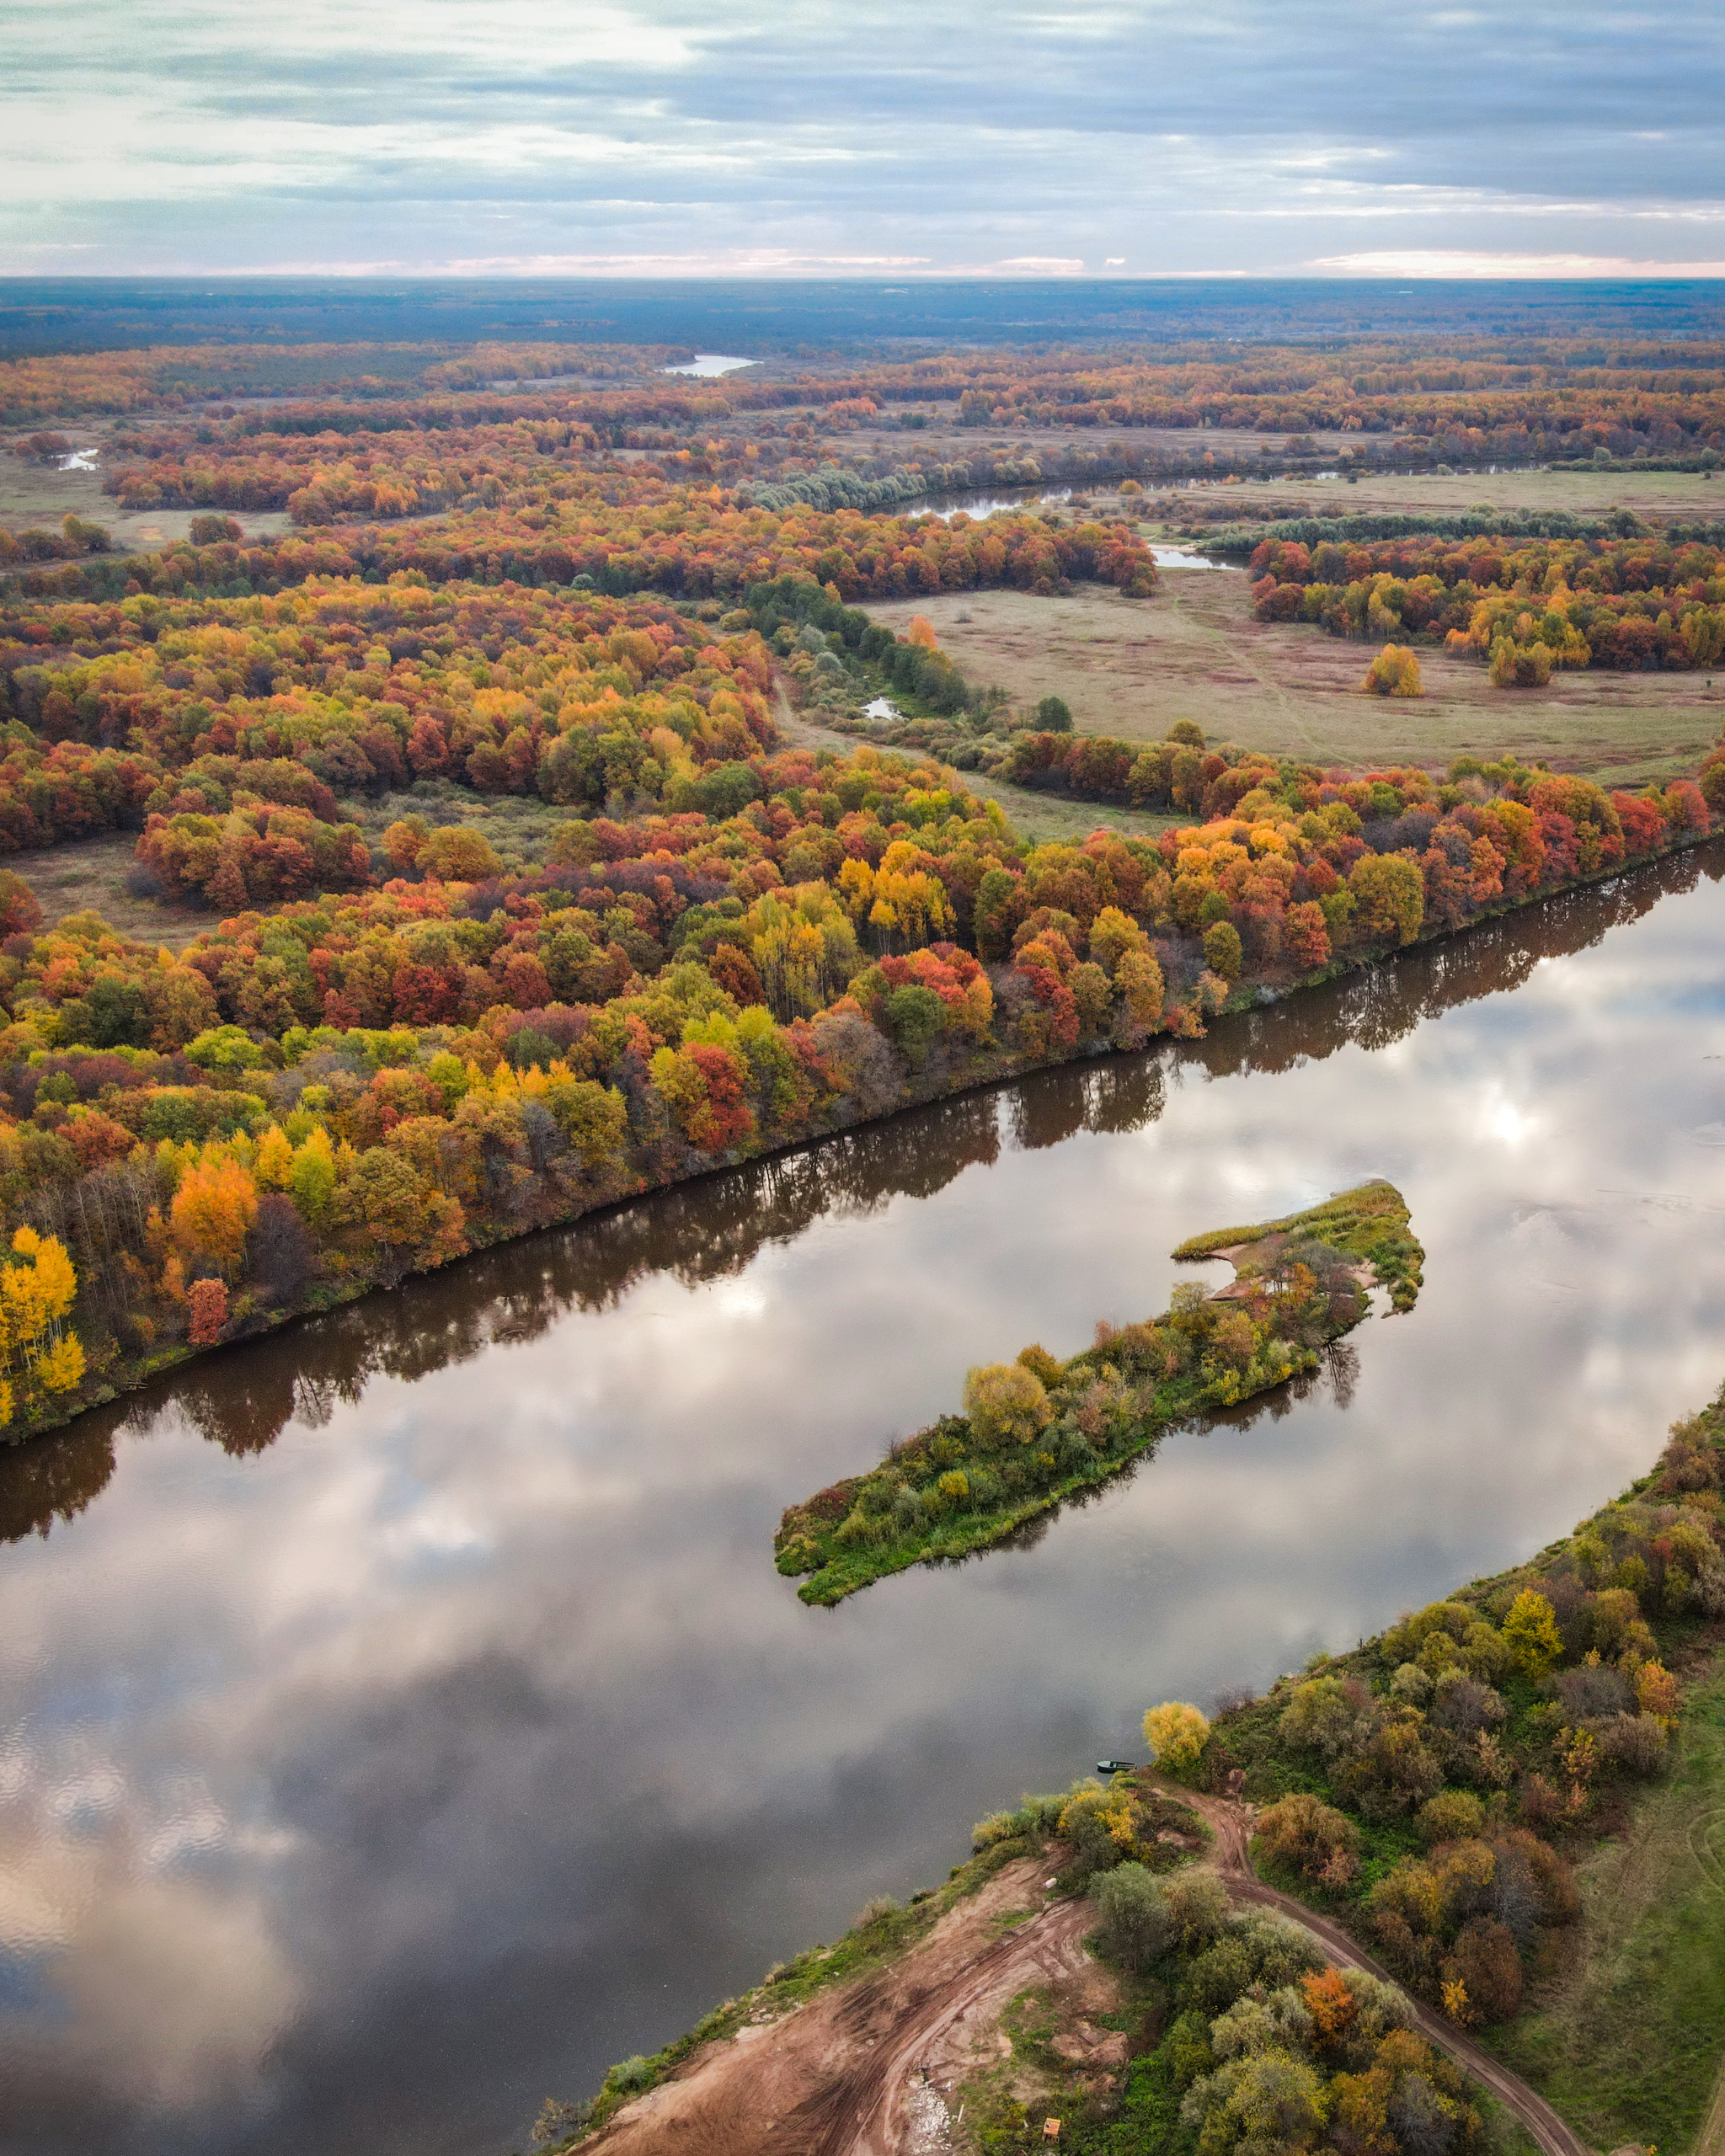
(364, 1784)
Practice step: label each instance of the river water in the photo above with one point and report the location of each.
(402, 1718)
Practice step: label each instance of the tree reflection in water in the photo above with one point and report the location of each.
(244, 1396)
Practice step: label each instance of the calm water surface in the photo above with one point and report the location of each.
(402, 1718)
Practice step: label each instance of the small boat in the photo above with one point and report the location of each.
(1113, 1766)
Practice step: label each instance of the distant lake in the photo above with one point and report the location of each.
(1186, 558)
(946, 507)
(402, 1718)
(708, 363)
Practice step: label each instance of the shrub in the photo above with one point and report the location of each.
(1485, 1961)
(1592, 1690)
(1311, 1836)
(1053, 716)
(1320, 1717)
(1177, 1734)
(1136, 1927)
(1453, 1815)
(1635, 1743)
(1395, 672)
(1006, 1404)
(1198, 1908)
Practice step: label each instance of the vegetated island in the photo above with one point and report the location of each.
(1037, 1431)
(1468, 1867)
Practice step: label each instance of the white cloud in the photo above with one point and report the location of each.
(1463, 262)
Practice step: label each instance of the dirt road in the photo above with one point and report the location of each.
(841, 2076)
(850, 2072)
(1231, 1857)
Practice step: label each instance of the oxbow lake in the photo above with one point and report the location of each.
(710, 363)
(404, 1719)
(978, 507)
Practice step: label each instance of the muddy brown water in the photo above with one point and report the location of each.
(403, 1720)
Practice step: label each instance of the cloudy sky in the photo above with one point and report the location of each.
(1122, 136)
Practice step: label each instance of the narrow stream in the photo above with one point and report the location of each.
(402, 1719)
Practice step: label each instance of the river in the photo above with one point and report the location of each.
(402, 1718)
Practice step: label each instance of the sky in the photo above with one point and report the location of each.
(1150, 137)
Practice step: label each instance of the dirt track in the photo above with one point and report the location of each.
(841, 2075)
(838, 2076)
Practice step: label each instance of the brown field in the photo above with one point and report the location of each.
(89, 875)
(1659, 497)
(34, 495)
(1132, 667)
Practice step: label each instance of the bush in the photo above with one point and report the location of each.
(1006, 1404)
(1322, 1715)
(1053, 716)
(1198, 1908)
(1635, 1743)
(1312, 1836)
(1136, 1927)
(1453, 1815)
(1395, 672)
(1177, 1734)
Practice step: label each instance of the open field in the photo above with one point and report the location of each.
(89, 874)
(1628, 2044)
(1041, 817)
(40, 496)
(1132, 667)
(1660, 497)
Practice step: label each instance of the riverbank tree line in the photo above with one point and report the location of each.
(326, 1092)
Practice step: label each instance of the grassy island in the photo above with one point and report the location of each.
(1037, 1431)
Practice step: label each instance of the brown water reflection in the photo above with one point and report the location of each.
(402, 1718)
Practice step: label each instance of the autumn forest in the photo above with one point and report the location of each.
(454, 790)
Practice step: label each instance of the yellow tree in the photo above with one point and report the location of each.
(35, 1296)
(1531, 1632)
(1177, 1734)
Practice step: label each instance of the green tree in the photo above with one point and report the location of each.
(913, 1016)
(1222, 951)
(1136, 1926)
(1389, 894)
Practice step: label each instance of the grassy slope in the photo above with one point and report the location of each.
(1629, 2044)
